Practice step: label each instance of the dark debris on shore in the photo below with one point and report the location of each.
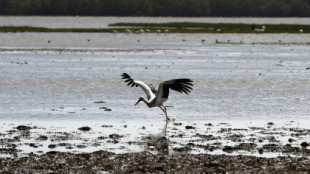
(145, 162)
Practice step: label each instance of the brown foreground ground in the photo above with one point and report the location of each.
(181, 148)
(145, 162)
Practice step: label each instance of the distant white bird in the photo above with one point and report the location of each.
(262, 30)
(158, 97)
(127, 31)
(257, 30)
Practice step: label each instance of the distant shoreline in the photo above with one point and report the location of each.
(172, 27)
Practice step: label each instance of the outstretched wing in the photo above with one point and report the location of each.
(146, 88)
(180, 85)
(152, 88)
(129, 80)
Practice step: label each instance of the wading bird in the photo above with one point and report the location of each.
(158, 97)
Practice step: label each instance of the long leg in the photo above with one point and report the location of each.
(165, 129)
(163, 108)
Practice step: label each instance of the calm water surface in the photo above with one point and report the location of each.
(231, 82)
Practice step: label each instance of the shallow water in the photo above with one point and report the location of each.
(74, 80)
(231, 82)
(143, 41)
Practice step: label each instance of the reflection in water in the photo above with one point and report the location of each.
(158, 143)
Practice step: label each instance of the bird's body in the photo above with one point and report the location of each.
(156, 98)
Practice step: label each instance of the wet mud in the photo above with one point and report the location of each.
(143, 162)
(179, 147)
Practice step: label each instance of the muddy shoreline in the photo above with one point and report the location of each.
(143, 162)
(179, 147)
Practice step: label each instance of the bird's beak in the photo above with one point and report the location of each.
(138, 102)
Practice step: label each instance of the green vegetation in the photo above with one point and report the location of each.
(262, 8)
(175, 27)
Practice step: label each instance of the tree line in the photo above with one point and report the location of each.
(234, 8)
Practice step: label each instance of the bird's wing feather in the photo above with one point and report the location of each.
(180, 85)
(145, 87)
(128, 80)
(152, 88)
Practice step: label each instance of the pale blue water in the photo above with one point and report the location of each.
(231, 82)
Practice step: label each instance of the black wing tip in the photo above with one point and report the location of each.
(129, 80)
(185, 85)
(125, 76)
(186, 82)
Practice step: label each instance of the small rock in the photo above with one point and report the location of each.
(52, 152)
(85, 128)
(106, 126)
(189, 127)
(228, 149)
(291, 140)
(51, 146)
(33, 145)
(152, 148)
(115, 136)
(270, 123)
(23, 128)
(42, 138)
(99, 102)
(304, 144)
(182, 149)
(102, 138)
(177, 124)
(80, 146)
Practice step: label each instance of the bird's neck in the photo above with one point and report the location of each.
(148, 103)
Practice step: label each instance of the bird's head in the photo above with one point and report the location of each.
(140, 99)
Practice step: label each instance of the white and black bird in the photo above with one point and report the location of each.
(159, 96)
